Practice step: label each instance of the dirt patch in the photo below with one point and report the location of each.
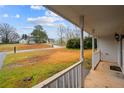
(28, 78)
(14, 65)
(28, 61)
(34, 59)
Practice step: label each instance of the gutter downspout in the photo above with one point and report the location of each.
(121, 53)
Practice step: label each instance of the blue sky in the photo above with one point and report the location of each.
(24, 18)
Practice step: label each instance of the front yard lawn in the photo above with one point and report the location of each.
(30, 68)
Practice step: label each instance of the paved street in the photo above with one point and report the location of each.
(2, 56)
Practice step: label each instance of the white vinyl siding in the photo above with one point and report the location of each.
(108, 47)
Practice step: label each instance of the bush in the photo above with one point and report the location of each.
(73, 43)
(88, 43)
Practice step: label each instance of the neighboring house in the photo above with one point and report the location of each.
(50, 41)
(28, 40)
(106, 24)
(23, 41)
(31, 40)
(0, 39)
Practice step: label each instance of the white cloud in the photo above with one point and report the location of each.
(49, 19)
(43, 20)
(50, 13)
(5, 15)
(28, 27)
(17, 16)
(37, 7)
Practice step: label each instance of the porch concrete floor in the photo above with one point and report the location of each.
(103, 77)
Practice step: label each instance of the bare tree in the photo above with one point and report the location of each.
(13, 37)
(8, 33)
(76, 31)
(68, 34)
(72, 33)
(61, 32)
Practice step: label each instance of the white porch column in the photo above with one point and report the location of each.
(81, 38)
(93, 49)
(82, 48)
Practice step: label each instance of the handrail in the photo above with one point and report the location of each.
(56, 76)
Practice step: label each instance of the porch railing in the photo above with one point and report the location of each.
(68, 78)
(96, 58)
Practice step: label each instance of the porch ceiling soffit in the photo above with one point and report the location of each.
(106, 20)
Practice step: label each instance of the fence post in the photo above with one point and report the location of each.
(14, 49)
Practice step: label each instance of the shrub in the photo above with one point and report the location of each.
(88, 43)
(73, 43)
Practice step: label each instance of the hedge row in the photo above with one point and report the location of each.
(75, 43)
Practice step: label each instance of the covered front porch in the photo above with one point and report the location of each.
(105, 23)
(104, 77)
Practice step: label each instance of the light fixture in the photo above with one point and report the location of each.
(117, 36)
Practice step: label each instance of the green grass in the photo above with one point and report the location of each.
(14, 77)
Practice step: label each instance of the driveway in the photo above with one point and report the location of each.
(2, 56)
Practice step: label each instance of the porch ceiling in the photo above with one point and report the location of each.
(106, 20)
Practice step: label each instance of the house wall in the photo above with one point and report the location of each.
(23, 41)
(111, 50)
(108, 46)
(119, 55)
(0, 39)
